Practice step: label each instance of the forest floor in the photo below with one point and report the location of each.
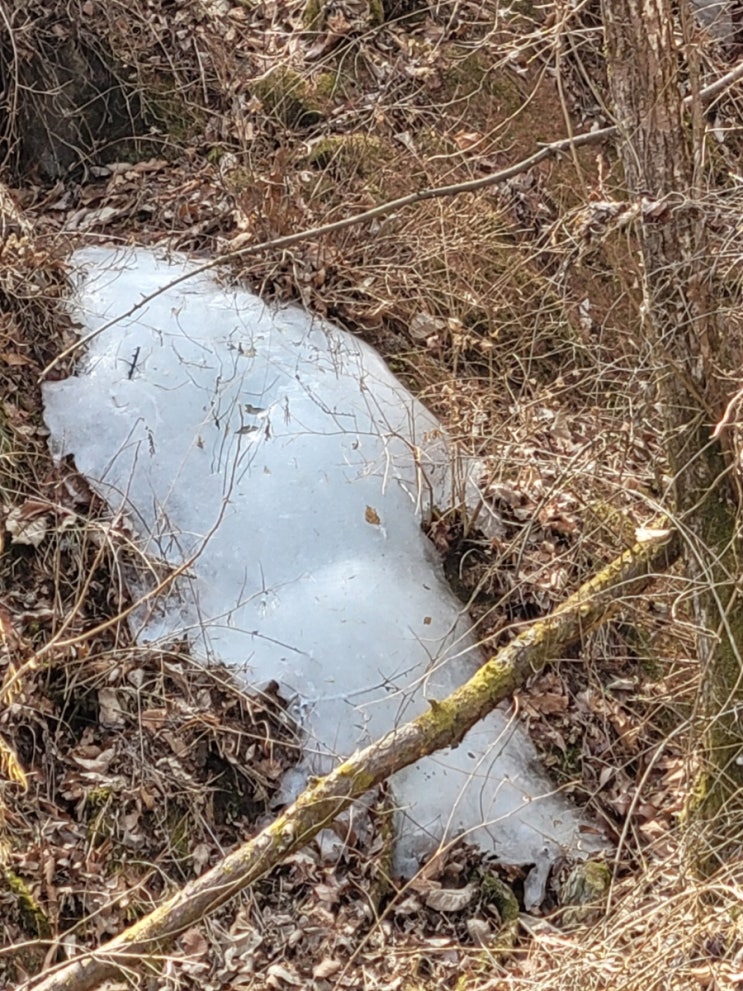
(512, 311)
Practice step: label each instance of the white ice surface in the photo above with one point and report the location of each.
(264, 444)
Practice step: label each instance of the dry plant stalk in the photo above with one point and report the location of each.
(444, 724)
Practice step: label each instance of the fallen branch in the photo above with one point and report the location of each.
(444, 724)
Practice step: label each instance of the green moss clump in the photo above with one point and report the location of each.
(376, 13)
(33, 918)
(498, 893)
(524, 7)
(215, 154)
(570, 759)
(495, 892)
(101, 822)
(326, 85)
(342, 81)
(611, 524)
(314, 15)
(584, 893)
(179, 828)
(409, 11)
(348, 155)
(287, 97)
(165, 107)
(473, 79)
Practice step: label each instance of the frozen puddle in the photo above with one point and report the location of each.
(283, 457)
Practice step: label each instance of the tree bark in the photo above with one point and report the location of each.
(443, 725)
(681, 327)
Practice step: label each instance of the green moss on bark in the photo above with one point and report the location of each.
(32, 916)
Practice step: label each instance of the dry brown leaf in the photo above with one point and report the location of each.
(372, 516)
(326, 968)
(549, 703)
(13, 359)
(450, 899)
(153, 720)
(424, 325)
(193, 943)
(26, 527)
(200, 857)
(278, 975)
(110, 713)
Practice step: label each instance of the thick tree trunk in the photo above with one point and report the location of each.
(682, 328)
(443, 725)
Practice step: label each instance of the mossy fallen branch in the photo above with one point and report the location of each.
(444, 724)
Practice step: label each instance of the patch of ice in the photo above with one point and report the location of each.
(281, 457)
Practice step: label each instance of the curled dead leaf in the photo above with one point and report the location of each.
(278, 975)
(326, 968)
(450, 899)
(194, 943)
(27, 526)
(110, 713)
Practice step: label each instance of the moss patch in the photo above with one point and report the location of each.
(315, 15)
(487, 90)
(33, 918)
(290, 99)
(167, 110)
(584, 893)
(348, 156)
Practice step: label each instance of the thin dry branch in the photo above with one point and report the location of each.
(708, 93)
(471, 186)
(444, 724)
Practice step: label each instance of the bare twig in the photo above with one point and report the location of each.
(708, 93)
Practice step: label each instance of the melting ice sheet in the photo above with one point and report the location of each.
(281, 456)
